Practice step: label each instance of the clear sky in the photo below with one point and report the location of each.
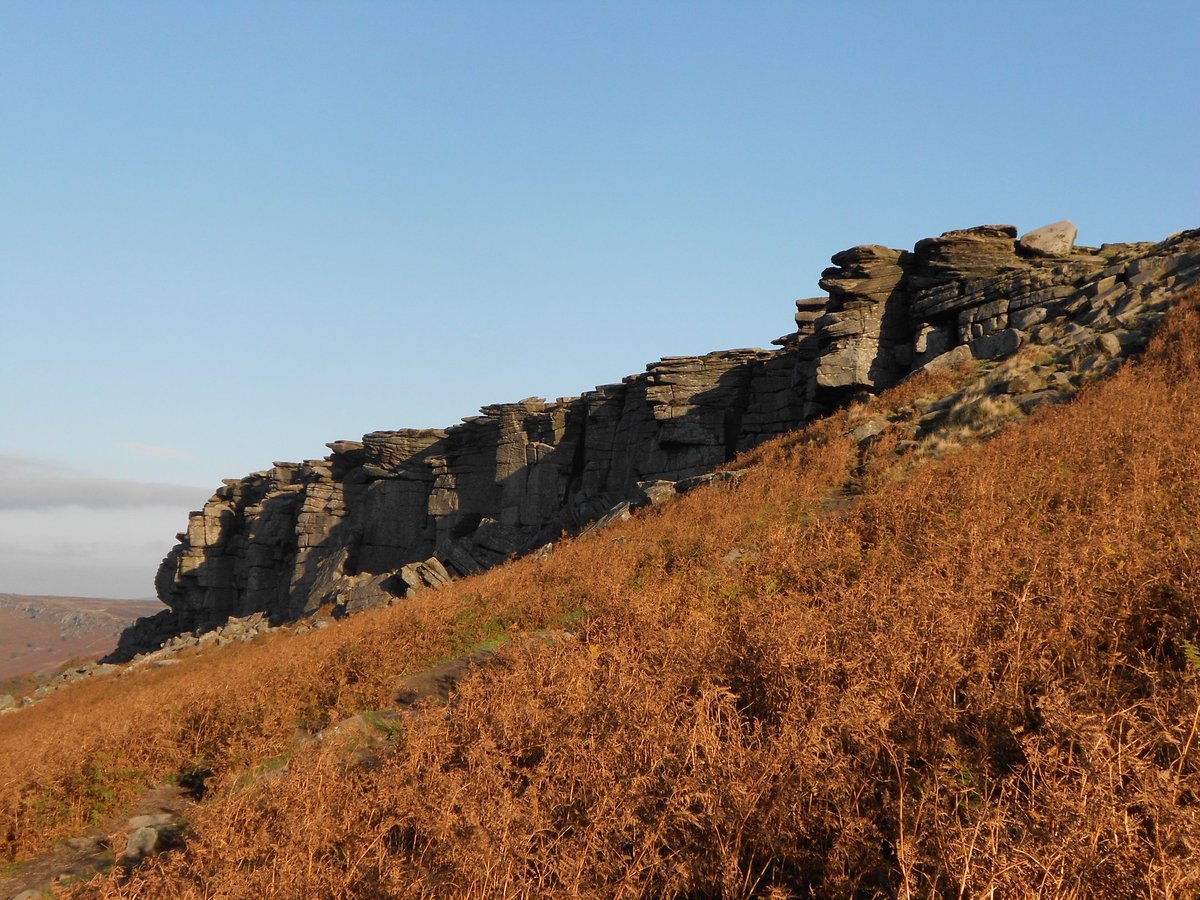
(233, 231)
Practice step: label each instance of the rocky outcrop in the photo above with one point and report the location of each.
(406, 510)
(865, 335)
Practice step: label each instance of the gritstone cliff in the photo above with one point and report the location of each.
(407, 509)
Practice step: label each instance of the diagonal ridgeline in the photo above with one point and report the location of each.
(403, 510)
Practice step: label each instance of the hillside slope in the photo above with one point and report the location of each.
(882, 664)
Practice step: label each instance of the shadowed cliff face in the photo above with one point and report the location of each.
(354, 528)
(339, 530)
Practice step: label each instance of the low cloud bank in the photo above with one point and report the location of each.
(85, 552)
(36, 484)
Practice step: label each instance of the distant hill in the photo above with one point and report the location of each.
(40, 634)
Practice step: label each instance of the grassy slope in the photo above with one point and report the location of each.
(982, 676)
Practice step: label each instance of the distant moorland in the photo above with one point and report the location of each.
(41, 634)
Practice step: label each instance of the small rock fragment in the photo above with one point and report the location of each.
(867, 431)
(85, 844)
(731, 477)
(142, 842)
(737, 555)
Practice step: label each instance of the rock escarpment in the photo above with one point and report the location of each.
(403, 510)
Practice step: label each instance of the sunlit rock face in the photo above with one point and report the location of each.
(386, 515)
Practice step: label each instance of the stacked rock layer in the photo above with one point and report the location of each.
(403, 510)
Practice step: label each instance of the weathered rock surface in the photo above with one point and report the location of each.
(865, 336)
(984, 250)
(1050, 240)
(406, 510)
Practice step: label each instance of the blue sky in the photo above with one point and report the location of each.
(235, 231)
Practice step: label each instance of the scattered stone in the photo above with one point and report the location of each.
(868, 431)
(737, 555)
(1096, 366)
(86, 843)
(959, 356)
(1024, 319)
(427, 574)
(458, 556)
(998, 345)
(622, 512)
(656, 493)
(7, 701)
(141, 843)
(1029, 402)
(1147, 269)
(1096, 317)
(732, 478)
(361, 592)
(1062, 380)
(1108, 344)
(1100, 286)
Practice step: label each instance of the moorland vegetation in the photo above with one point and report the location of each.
(854, 674)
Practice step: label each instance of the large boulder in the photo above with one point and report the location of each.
(1057, 239)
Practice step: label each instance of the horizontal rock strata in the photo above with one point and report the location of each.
(406, 510)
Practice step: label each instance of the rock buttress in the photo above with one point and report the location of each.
(382, 515)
